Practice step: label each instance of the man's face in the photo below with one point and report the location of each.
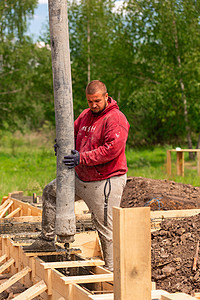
(97, 102)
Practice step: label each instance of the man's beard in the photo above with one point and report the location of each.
(97, 113)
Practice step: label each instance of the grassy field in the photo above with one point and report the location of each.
(27, 163)
(151, 163)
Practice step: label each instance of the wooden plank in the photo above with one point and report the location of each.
(35, 211)
(59, 287)
(88, 278)
(14, 279)
(13, 253)
(6, 265)
(198, 163)
(6, 209)
(169, 162)
(14, 212)
(28, 219)
(89, 244)
(79, 293)
(101, 270)
(82, 210)
(73, 264)
(56, 295)
(3, 257)
(105, 286)
(132, 253)
(177, 296)
(4, 199)
(48, 280)
(5, 247)
(180, 160)
(2, 206)
(33, 291)
(156, 294)
(35, 254)
(185, 150)
(18, 193)
(174, 213)
(180, 163)
(106, 297)
(39, 270)
(32, 266)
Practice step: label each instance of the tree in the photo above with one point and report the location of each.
(166, 38)
(91, 25)
(13, 17)
(15, 62)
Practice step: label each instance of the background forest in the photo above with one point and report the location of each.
(147, 53)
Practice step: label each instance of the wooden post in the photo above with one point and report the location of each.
(169, 162)
(132, 253)
(180, 163)
(198, 163)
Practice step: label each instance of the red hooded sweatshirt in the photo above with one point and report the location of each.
(101, 141)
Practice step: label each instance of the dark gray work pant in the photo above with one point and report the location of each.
(93, 193)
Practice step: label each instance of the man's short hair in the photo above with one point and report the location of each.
(96, 86)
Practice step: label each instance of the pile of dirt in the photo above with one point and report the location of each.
(174, 248)
(175, 245)
(160, 194)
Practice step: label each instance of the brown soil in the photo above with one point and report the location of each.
(173, 250)
(160, 194)
(173, 246)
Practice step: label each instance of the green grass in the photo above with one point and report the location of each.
(151, 163)
(27, 163)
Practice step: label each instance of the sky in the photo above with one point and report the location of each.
(41, 18)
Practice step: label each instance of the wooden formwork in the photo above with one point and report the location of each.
(44, 273)
(82, 277)
(51, 282)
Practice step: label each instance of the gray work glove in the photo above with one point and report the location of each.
(72, 160)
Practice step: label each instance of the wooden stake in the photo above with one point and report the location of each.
(169, 162)
(6, 265)
(14, 279)
(5, 209)
(132, 253)
(34, 197)
(3, 257)
(14, 212)
(2, 206)
(180, 163)
(198, 163)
